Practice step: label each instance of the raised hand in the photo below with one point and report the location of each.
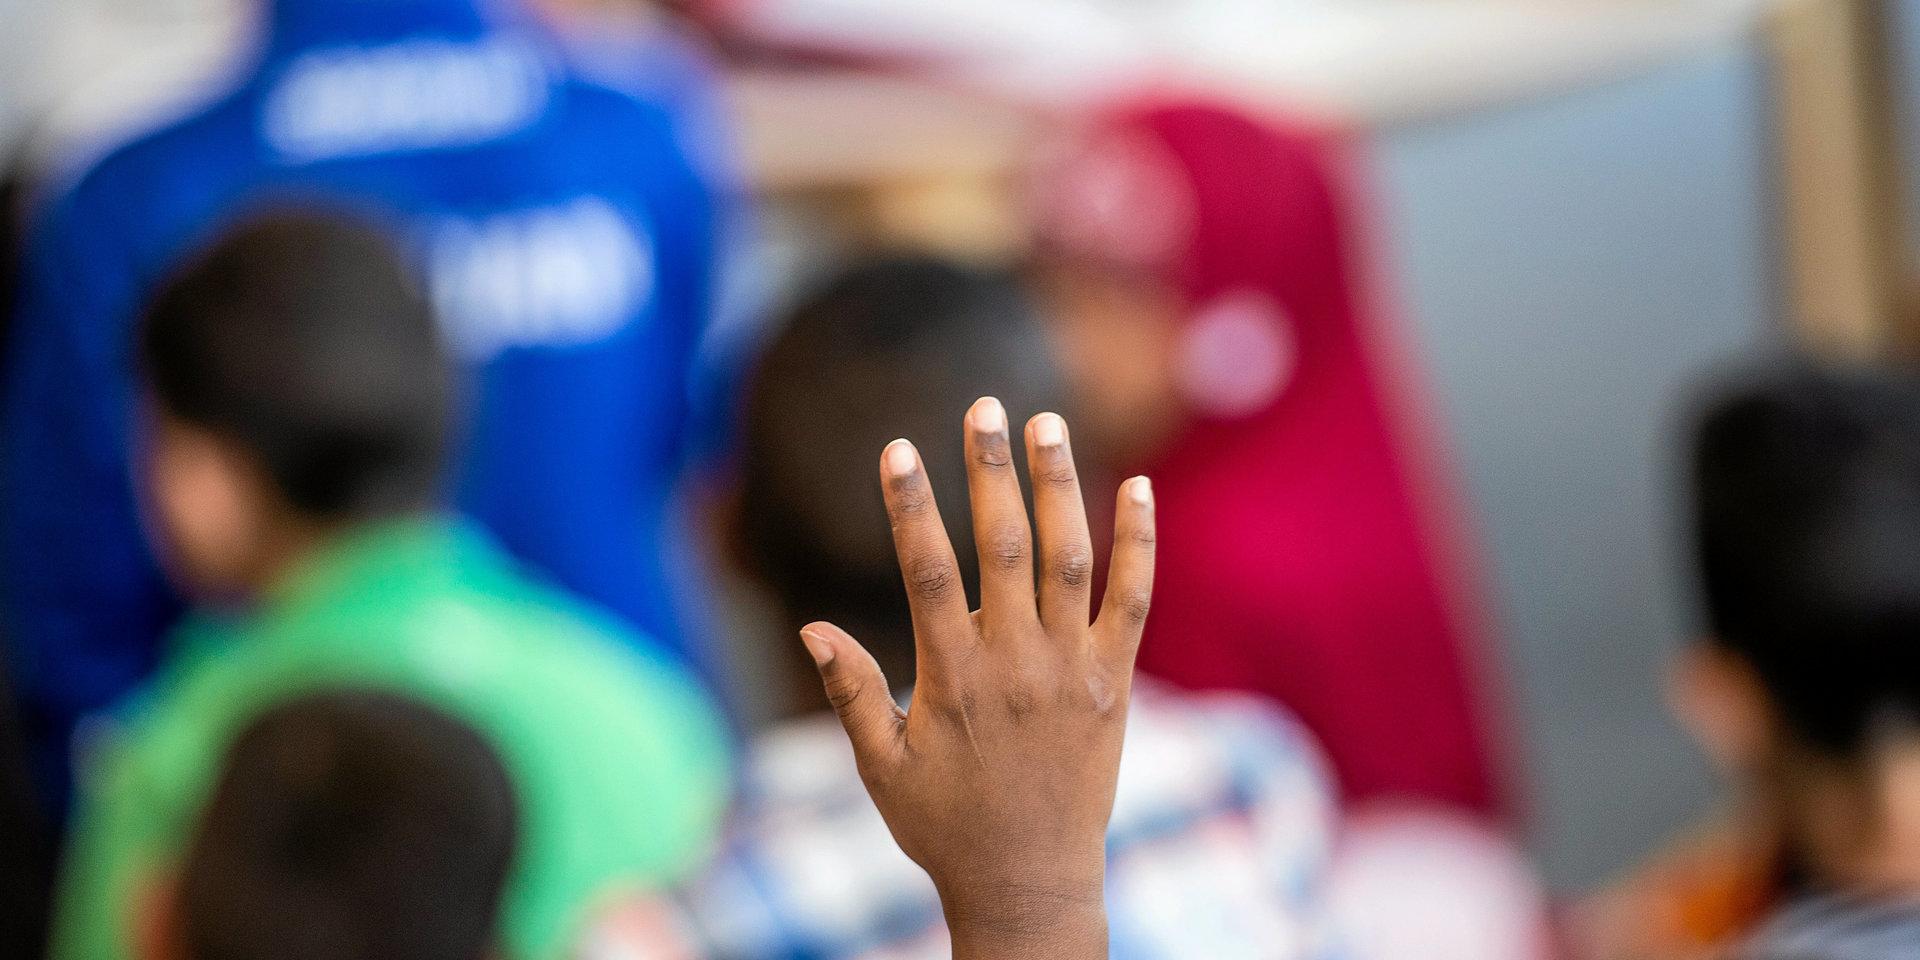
(999, 781)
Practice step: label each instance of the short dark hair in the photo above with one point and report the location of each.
(1806, 489)
(890, 348)
(351, 825)
(302, 337)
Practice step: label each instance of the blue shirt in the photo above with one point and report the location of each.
(568, 241)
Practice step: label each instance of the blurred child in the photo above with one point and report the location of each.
(1203, 277)
(1805, 687)
(569, 238)
(361, 826)
(1222, 825)
(346, 825)
(299, 411)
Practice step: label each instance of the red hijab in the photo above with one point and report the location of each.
(1298, 548)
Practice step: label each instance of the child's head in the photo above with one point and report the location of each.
(1806, 488)
(346, 826)
(895, 348)
(297, 384)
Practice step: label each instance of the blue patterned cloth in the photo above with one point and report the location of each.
(1217, 851)
(1838, 928)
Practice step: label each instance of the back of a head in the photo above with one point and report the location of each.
(1806, 486)
(351, 826)
(304, 339)
(893, 348)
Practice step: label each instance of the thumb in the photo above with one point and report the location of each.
(857, 690)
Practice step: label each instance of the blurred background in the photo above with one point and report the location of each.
(1555, 214)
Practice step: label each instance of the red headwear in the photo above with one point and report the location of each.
(1298, 553)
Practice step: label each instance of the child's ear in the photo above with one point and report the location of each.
(211, 505)
(1718, 697)
(157, 930)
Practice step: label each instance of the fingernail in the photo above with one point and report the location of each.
(1049, 430)
(900, 458)
(1140, 490)
(819, 647)
(989, 416)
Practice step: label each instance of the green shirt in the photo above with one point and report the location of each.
(619, 762)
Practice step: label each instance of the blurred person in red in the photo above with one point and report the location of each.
(1203, 274)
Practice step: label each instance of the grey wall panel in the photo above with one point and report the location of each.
(1568, 268)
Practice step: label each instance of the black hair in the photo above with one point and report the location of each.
(303, 338)
(895, 347)
(351, 825)
(1806, 488)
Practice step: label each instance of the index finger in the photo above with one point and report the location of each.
(941, 621)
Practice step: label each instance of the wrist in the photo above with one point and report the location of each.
(1061, 919)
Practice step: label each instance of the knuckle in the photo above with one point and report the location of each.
(993, 454)
(933, 576)
(1005, 546)
(1036, 688)
(842, 690)
(1020, 700)
(911, 498)
(1142, 536)
(1073, 565)
(1104, 694)
(1058, 474)
(956, 711)
(1133, 604)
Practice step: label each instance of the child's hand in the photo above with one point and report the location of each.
(999, 782)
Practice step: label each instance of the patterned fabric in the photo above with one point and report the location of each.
(1218, 850)
(1838, 928)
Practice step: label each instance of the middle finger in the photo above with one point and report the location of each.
(1000, 530)
(1066, 549)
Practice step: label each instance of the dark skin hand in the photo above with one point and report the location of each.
(999, 782)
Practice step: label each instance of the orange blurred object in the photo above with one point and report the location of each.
(1696, 900)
